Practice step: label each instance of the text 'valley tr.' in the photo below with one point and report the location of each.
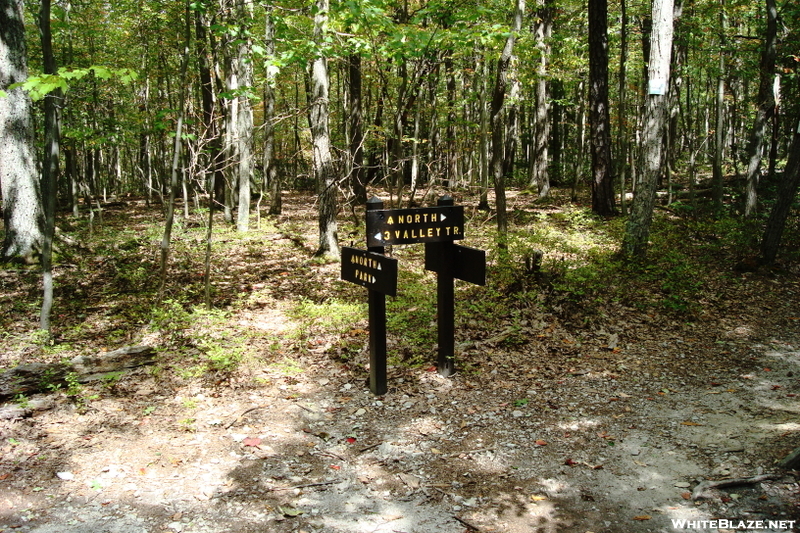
(438, 227)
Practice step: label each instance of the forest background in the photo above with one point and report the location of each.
(226, 106)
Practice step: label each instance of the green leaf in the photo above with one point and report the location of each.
(101, 72)
(290, 511)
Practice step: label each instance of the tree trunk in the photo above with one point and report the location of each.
(271, 176)
(718, 179)
(498, 124)
(22, 209)
(637, 231)
(176, 157)
(357, 173)
(539, 175)
(214, 162)
(483, 138)
(599, 117)
(786, 197)
(622, 129)
(320, 138)
(243, 69)
(52, 136)
(766, 108)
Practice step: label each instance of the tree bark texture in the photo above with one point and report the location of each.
(271, 177)
(497, 122)
(320, 139)
(718, 178)
(243, 136)
(52, 135)
(766, 109)
(357, 171)
(22, 209)
(637, 231)
(539, 174)
(35, 377)
(599, 115)
(787, 191)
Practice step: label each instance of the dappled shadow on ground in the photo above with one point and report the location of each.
(602, 422)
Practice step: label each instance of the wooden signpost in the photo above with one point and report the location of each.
(438, 227)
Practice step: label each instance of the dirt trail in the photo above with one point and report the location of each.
(592, 450)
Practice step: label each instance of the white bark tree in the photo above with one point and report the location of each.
(19, 180)
(321, 139)
(637, 231)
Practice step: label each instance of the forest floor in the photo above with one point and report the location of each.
(577, 414)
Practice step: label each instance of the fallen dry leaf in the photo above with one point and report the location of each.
(540, 442)
(688, 423)
(252, 441)
(642, 517)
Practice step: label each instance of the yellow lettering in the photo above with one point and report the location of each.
(387, 235)
(417, 219)
(390, 221)
(456, 230)
(405, 234)
(430, 232)
(438, 231)
(397, 234)
(434, 217)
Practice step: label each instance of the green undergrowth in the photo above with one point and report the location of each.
(558, 259)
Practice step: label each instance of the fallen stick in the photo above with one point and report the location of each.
(466, 524)
(698, 491)
(246, 411)
(306, 485)
(368, 448)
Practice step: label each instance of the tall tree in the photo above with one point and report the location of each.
(321, 139)
(49, 164)
(241, 82)
(599, 116)
(718, 178)
(271, 176)
(176, 157)
(637, 230)
(498, 124)
(787, 192)
(539, 162)
(22, 206)
(766, 108)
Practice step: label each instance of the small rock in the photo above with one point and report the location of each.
(66, 476)
(517, 414)
(682, 484)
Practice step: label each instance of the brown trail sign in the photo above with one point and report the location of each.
(410, 226)
(368, 269)
(438, 227)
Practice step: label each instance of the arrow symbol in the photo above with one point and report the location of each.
(380, 267)
(378, 236)
(443, 217)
